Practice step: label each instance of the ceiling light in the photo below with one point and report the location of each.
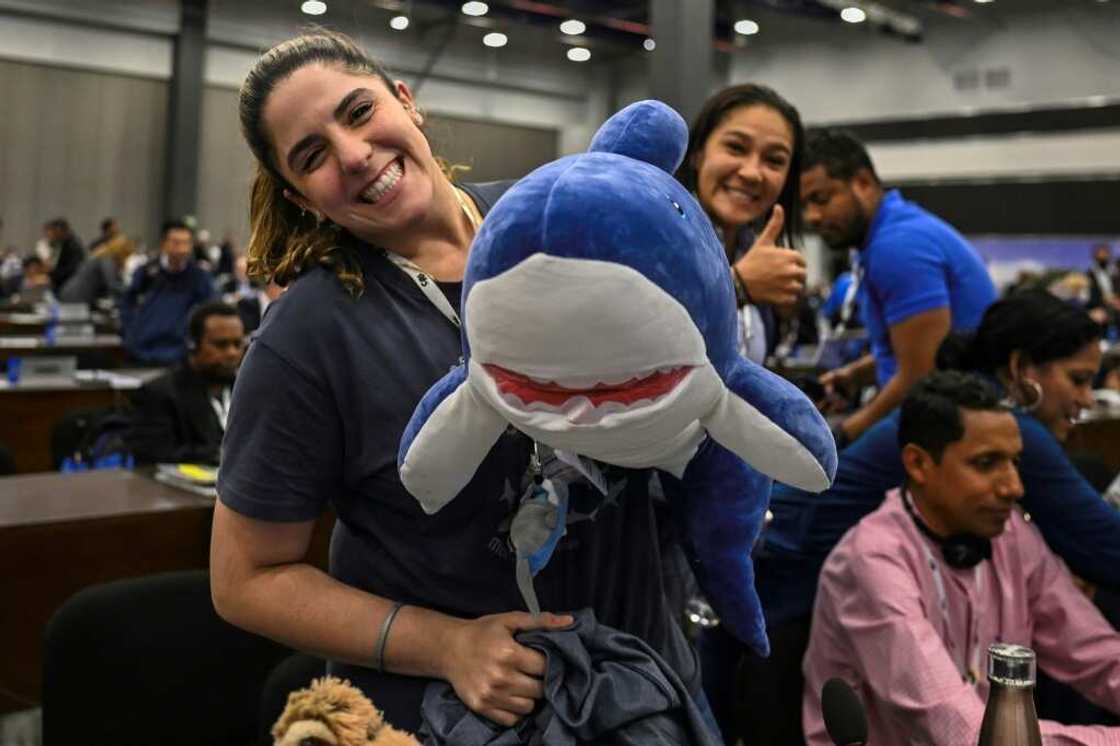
(746, 27)
(579, 54)
(314, 7)
(649, 45)
(572, 27)
(475, 8)
(983, 1)
(853, 15)
(495, 39)
(398, 23)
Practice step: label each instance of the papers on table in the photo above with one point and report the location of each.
(197, 478)
(114, 379)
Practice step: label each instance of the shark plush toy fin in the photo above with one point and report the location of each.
(468, 429)
(599, 319)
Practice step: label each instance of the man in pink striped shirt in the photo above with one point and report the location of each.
(911, 598)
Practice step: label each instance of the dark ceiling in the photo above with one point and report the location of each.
(623, 25)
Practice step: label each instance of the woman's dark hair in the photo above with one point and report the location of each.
(1041, 326)
(283, 241)
(712, 115)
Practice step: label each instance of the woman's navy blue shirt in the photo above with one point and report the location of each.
(322, 398)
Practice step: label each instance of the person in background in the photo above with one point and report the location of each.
(1043, 354)
(35, 283)
(181, 416)
(911, 598)
(1109, 376)
(353, 213)
(11, 272)
(159, 298)
(252, 306)
(1104, 302)
(838, 304)
(215, 258)
(66, 251)
(109, 229)
(742, 148)
(918, 277)
(101, 276)
(11, 267)
(237, 285)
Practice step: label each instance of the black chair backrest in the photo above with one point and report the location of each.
(76, 433)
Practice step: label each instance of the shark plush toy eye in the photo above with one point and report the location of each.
(599, 319)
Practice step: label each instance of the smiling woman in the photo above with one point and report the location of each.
(353, 212)
(316, 165)
(742, 147)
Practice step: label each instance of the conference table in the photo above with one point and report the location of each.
(35, 324)
(60, 533)
(106, 349)
(30, 408)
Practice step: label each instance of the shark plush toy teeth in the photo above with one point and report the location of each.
(599, 319)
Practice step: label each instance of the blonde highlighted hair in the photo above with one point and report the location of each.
(284, 240)
(119, 248)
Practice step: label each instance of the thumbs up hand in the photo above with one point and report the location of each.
(773, 275)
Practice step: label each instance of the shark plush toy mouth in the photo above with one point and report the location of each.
(599, 319)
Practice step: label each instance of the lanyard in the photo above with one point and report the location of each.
(221, 407)
(969, 667)
(849, 304)
(423, 280)
(427, 286)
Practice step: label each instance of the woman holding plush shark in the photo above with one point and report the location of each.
(351, 210)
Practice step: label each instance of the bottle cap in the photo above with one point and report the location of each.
(1011, 665)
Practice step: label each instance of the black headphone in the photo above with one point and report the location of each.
(960, 551)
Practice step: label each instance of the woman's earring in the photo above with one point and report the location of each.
(1036, 392)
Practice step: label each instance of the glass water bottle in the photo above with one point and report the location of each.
(1010, 718)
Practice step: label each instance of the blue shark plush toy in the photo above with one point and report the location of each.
(599, 319)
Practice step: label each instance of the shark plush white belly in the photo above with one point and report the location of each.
(599, 319)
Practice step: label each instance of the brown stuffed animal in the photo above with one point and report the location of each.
(331, 712)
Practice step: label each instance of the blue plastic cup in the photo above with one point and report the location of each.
(15, 364)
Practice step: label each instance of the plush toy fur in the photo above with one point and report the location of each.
(331, 712)
(599, 319)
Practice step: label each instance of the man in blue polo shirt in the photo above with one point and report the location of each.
(918, 277)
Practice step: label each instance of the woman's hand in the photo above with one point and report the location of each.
(493, 674)
(772, 275)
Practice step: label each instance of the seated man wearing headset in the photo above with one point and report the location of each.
(181, 416)
(911, 598)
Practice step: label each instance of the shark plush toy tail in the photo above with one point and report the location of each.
(599, 320)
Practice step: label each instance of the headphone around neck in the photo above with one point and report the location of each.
(961, 551)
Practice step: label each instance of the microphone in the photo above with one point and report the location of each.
(843, 714)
